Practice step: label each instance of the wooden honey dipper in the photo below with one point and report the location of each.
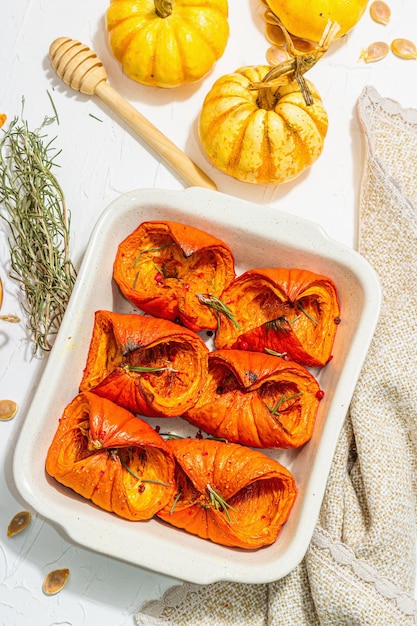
(80, 68)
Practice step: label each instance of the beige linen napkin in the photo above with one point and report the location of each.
(359, 568)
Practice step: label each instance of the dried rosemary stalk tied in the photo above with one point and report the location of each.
(33, 205)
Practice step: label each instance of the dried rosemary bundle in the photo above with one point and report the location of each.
(33, 205)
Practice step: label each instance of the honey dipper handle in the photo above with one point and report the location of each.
(163, 146)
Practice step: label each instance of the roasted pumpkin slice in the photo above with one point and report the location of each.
(107, 455)
(291, 312)
(229, 494)
(257, 400)
(169, 270)
(149, 366)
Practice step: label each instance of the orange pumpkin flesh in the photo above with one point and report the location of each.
(163, 267)
(291, 311)
(109, 456)
(175, 361)
(257, 400)
(258, 493)
(228, 493)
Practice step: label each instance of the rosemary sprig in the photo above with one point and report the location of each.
(275, 353)
(176, 500)
(56, 118)
(218, 502)
(169, 436)
(142, 480)
(279, 324)
(33, 205)
(144, 369)
(95, 117)
(282, 399)
(156, 249)
(218, 307)
(306, 313)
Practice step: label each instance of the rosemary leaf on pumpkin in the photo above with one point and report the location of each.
(156, 249)
(306, 313)
(282, 399)
(142, 480)
(218, 502)
(176, 500)
(144, 369)
(275, 353)
(33, 205)
(218, 307)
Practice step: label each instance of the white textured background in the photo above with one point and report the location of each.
(101, 160)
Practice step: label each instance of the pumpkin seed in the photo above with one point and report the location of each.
(380, 12)
(276, 55)
(274, 34)
(375, 52)
(8, 409)
(270, 17)
(55, 581)
(404, 48)
(19, 522)
(303, 45)
(9, 317)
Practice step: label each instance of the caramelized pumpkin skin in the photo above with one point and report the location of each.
(109, 456)
(149, 366)
(163, 267)
(257, 400)
(291, 311)
(258, 493)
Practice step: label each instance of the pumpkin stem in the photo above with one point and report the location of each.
(293, 69)
(163, 8)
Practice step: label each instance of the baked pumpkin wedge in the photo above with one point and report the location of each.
(229, 494)
(147, 365)
(171, 270)
(257, 400)
(109, 456)
(291, 312)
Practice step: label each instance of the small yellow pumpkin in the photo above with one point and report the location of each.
(167, 43)
(308, 21)
(257, 135)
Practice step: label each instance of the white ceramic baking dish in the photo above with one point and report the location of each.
(259, 237)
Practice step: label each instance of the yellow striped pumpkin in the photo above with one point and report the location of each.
(256, 142)
(167, 43)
